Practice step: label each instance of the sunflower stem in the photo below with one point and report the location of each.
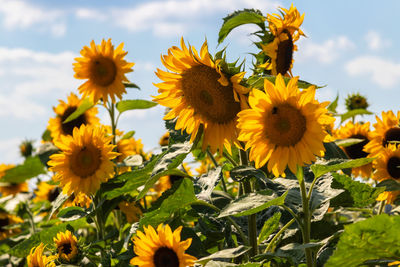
(214, 161)
(286, 226)
(230, 159)
(381, 207)
(252, 219)
(306, 229)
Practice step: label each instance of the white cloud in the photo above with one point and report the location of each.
(9, 153)
(325, 53)
(17, 14)
(375, 41)
(86, 13)
(383, 72)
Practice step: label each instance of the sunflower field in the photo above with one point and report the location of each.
(252, 171)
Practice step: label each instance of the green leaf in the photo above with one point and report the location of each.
(31, 167)
(252, 203)
(83, 107)
(46, 136)
(258, 81)
(356, 194)
(207, 182)
(238, 18)
(125, 105)
(353, 113)
(269, 227)
(57, 203)
(240, 173)
(389, 184)
(371, 239)
(338, 164)
(45, 235)
(229, 253)
(348, 142)
(333, 105)
(182, 196)
(71, 214)
(128, 135)
(131, 85)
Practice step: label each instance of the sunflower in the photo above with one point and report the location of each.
(46, 191)
(81, 200)
(26, 148)
(387, 166)
(67, 246)
(285, 126)
(85, 160)
(356, 101)
(358, 131)
(164, 140)
(131, 210)
(37, 259)
(386, 130)
(7, 219)
(199, 93)
(286, 31)
(161, 248)
(105, 69)
(63, 110)
(166, 182)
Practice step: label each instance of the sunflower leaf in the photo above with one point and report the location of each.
(31, 167)
(128, 135)
(389, 184)
(353, 113)
(83, 107)
(348, 142)
(258, 81)
(131, 104)
(323, 167)
(131, 85)
(269, 227)
(252, 203)
(71, 213)
(371, 239)
(229, 253)
(207, 182)
(333, 105)
(239, 18)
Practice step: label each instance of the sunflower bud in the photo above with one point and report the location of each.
(26, 148)
(356, 101)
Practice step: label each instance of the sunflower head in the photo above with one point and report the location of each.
(6, 220)
(164, 140)
(200, 95)
(357, 131)
(356, 101)
(36, 258)
(284, 126)
(26, 148)
(57, 126)
(285, 28)
(104, 68)
(85, 161)
(81, 200)
(67, 246)
(46, 191)
(161, 248)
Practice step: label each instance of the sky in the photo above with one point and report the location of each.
(351, 47)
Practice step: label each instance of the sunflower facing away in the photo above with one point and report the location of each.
(67, 246)
(284, 127)
(105, 69)
(386, 129)
(358, 131)
(161, 248)
(37, 259)
(6, 188)
(7, 219)
(85, 160)
(387, 166)
(198, 93)
(286, 31)
(63, 110)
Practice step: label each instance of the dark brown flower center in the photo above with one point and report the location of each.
(207, 96)
(86, 161)
(392, 134)
(53, 194)
(165, 257)
(68, 127)
(4, 222)
(103, 71)
(66, 248)
(284, 54)
(285, 125)
(356, 151)
(393, 167)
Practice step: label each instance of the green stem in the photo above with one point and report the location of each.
(294, 216)
(381, 206)
(99, 218)
(306, 230)
(214, 161)
(278, 234)
(252, 219)
(230, 159)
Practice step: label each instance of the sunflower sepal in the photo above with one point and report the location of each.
(131, 85)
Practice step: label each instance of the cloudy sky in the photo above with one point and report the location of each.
(351, 46)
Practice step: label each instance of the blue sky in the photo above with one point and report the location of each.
(351, 46)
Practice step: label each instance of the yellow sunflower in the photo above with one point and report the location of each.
(7, 219)
(284, 127)
(164, 140)
(161, 248)
(81, 200)
(198, 93)
(37, 259)
(286, 31)
(131, 210)
(166, 182)
(105, 69)
(386, 129)
(46, 191)
(63, 110)
(359, 131)
(85, 161)
(387, 166)
(67, 246)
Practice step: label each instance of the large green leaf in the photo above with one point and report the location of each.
(353, 113)
(83, 107)
(372, 239)
(258, 81)
(333, 105)
(131, 104)
(206, 183)
(31, 167)
(269, 227)
(180, 196)
(229, 253)
(389, 185)
(323, 167)
(252, 203)
(238, 18)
